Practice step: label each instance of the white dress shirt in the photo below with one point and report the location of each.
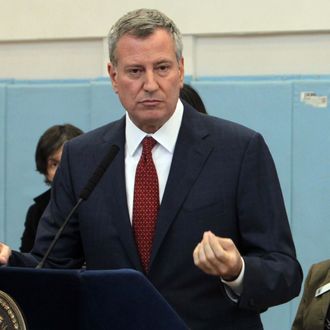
(162, 152)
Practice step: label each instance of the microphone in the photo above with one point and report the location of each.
(84, 194)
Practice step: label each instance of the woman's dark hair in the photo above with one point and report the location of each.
(50, 141)
(190, 95)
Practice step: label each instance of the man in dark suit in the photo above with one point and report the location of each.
(222, 250)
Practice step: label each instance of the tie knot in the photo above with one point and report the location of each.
(148, 143)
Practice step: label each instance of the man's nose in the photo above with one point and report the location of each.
(150, 82)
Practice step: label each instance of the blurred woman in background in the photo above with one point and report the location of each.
(47, 156)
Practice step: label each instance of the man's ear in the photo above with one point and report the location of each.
(113, 76)
(181, 71)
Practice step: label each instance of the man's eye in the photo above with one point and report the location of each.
(134, 71)
(163, 69)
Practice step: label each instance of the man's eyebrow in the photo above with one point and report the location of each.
(128, 66)
(163, 61)
(134, 64)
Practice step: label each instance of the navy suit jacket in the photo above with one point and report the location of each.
(222, 179)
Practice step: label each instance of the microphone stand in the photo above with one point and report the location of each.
(58, 234)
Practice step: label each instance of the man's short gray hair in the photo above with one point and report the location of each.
(142, 23)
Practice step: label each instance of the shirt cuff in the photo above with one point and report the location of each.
(234, 288)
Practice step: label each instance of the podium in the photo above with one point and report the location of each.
(88, 299)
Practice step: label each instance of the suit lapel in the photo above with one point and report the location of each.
(115, 195)
(191, 151)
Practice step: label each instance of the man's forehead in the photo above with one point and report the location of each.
(153, 46)
(156, 34)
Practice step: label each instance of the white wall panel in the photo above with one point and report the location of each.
(39, 19)
(263, 55)
(52, 59)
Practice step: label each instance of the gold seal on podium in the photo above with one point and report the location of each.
(11, 317)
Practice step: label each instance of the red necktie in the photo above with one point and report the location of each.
(146, 202)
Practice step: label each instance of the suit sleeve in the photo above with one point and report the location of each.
(272, 275)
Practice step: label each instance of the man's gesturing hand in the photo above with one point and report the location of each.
(218, 256)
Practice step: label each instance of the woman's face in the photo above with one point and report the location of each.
(52, 164)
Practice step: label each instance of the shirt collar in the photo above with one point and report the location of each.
(166, 136)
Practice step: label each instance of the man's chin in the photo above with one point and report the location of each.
(151, 124)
